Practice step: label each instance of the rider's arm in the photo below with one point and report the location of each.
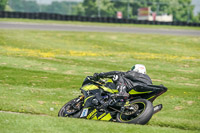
(110, 74)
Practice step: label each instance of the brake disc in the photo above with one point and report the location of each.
(131, 109)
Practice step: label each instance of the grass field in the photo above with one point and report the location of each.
(41, 70)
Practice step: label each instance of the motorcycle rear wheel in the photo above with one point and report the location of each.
(141, 116)
(68, 110)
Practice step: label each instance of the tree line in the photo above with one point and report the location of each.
(182, 10)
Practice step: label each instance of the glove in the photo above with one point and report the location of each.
(96, 76)
(115, 78)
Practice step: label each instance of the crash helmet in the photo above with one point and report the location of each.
(139, 68)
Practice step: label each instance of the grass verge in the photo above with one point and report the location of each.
(41, 70)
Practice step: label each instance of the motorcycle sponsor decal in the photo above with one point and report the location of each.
(84, 112)
(91, 114)
(94, 115)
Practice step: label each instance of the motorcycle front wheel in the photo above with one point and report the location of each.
(138, 111)
(71, 108)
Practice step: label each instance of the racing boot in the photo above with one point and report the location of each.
(122, 92)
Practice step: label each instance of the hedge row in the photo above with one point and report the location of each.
(51, 16)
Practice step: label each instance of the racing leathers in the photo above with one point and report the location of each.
(125, 81)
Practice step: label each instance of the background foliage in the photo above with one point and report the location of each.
(3, 4)
(182, 10)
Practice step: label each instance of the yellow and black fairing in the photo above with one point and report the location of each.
(89, 92)
(90, 89)
(149, 92)
(94, 114)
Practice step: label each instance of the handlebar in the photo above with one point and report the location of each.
(99, 80)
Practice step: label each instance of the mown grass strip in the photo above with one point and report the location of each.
(31, 82)
(34, 123)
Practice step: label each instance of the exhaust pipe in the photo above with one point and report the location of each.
(157, 108)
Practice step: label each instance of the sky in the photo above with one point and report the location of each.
(197, 6)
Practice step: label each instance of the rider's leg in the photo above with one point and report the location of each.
(121, 87)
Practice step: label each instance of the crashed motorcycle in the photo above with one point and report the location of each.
(100, 101)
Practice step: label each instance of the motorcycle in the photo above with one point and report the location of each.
(100, 101)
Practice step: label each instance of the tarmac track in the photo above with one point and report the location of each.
(83, 28)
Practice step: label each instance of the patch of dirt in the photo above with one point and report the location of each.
(179, 78)
(49, 68)
(178, 108)
(41, 102)
(27, 66)
(189, 84)
(189, 71)
(21, 113)
(186, 66)
(3, 64)
(190, 102)
(88, 72)
(55, 103)
(197, 80)
(69, 72)
(44, 77)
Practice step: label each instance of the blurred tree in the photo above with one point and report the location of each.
(56, 7)
(107, 8)
(101, 8)
(24, 5)
(3, 4)
(180, 9)
(125, 8)
(64, 7)
(90, 7)
(196, 18)
(16, 5)
(80, 10)
(31, 6)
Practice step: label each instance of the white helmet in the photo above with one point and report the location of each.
(139, 68)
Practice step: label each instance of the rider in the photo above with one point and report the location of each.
(125, 81)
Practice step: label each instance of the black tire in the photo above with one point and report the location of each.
(63, 111)
(141, 116)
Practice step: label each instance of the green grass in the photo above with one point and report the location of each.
(33, 123)
(99, 24)
(41, 70)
